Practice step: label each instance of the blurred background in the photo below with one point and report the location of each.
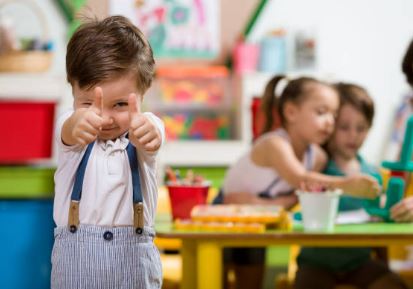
(213, 59)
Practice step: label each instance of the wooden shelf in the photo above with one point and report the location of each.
(201, 153)
(31, 86)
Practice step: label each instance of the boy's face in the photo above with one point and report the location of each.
(114, 110)
(315, 115)
(351, 130)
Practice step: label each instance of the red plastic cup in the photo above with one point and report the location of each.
(184, 198)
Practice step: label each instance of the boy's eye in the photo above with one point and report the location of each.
(321, 111)
(121, 104)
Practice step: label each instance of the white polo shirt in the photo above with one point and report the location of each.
(107, 187)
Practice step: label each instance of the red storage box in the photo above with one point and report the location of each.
(184, 198)
(27, 130)
(258, 118)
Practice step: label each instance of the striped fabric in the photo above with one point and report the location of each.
(105, 258)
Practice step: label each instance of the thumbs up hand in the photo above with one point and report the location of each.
(143, 133)
(87, 122)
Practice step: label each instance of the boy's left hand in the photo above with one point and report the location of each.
(143, 133)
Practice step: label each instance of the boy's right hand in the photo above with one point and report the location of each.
(361, 186)
(87, 122)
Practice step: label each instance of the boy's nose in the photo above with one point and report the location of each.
(107, 119)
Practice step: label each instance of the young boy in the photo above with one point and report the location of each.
(322, 268)
(106, 191)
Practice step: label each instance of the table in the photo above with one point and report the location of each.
(202, 251)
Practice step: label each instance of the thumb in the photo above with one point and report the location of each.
(134, 103)
(98, 100)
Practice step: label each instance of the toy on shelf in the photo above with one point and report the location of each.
(400, 175)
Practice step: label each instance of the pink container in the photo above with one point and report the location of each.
(245, 57)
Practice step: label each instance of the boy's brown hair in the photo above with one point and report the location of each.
(100, 50)
(357, 97)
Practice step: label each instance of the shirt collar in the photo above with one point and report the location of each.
(118, 144)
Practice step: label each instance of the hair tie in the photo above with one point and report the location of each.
(280, 87)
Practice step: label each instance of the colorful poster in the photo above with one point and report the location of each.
(175, 28)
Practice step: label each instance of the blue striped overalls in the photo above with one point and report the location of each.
(89, 257)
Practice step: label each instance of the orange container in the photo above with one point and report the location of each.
(184, 198)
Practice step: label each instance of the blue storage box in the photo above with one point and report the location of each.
(26, 243)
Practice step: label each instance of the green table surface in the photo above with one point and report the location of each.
(351, 234)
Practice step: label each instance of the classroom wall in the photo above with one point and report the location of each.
(358, 41)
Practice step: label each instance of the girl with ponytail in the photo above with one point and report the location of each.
(282, 159)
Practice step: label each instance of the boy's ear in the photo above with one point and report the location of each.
(290, 112)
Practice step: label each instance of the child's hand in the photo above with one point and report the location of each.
(142, 131)
(361, 186)
(88, 121)
(403, 210)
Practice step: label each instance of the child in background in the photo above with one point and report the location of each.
(282, 159)
(322, 268)
(403, 211)
(105, 183)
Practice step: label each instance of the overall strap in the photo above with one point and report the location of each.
(77, 190)
(138, 218)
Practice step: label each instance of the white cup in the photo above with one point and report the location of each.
(319, 210)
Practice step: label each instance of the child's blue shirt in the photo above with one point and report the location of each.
(348, 203)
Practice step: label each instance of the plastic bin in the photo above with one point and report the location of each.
(197, 126)
(27, 129)
(184, 198)
(196, 86)
(258, 118)
(193, 102)
(26, 243)
(26, 182)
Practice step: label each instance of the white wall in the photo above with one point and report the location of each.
(361, 41)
